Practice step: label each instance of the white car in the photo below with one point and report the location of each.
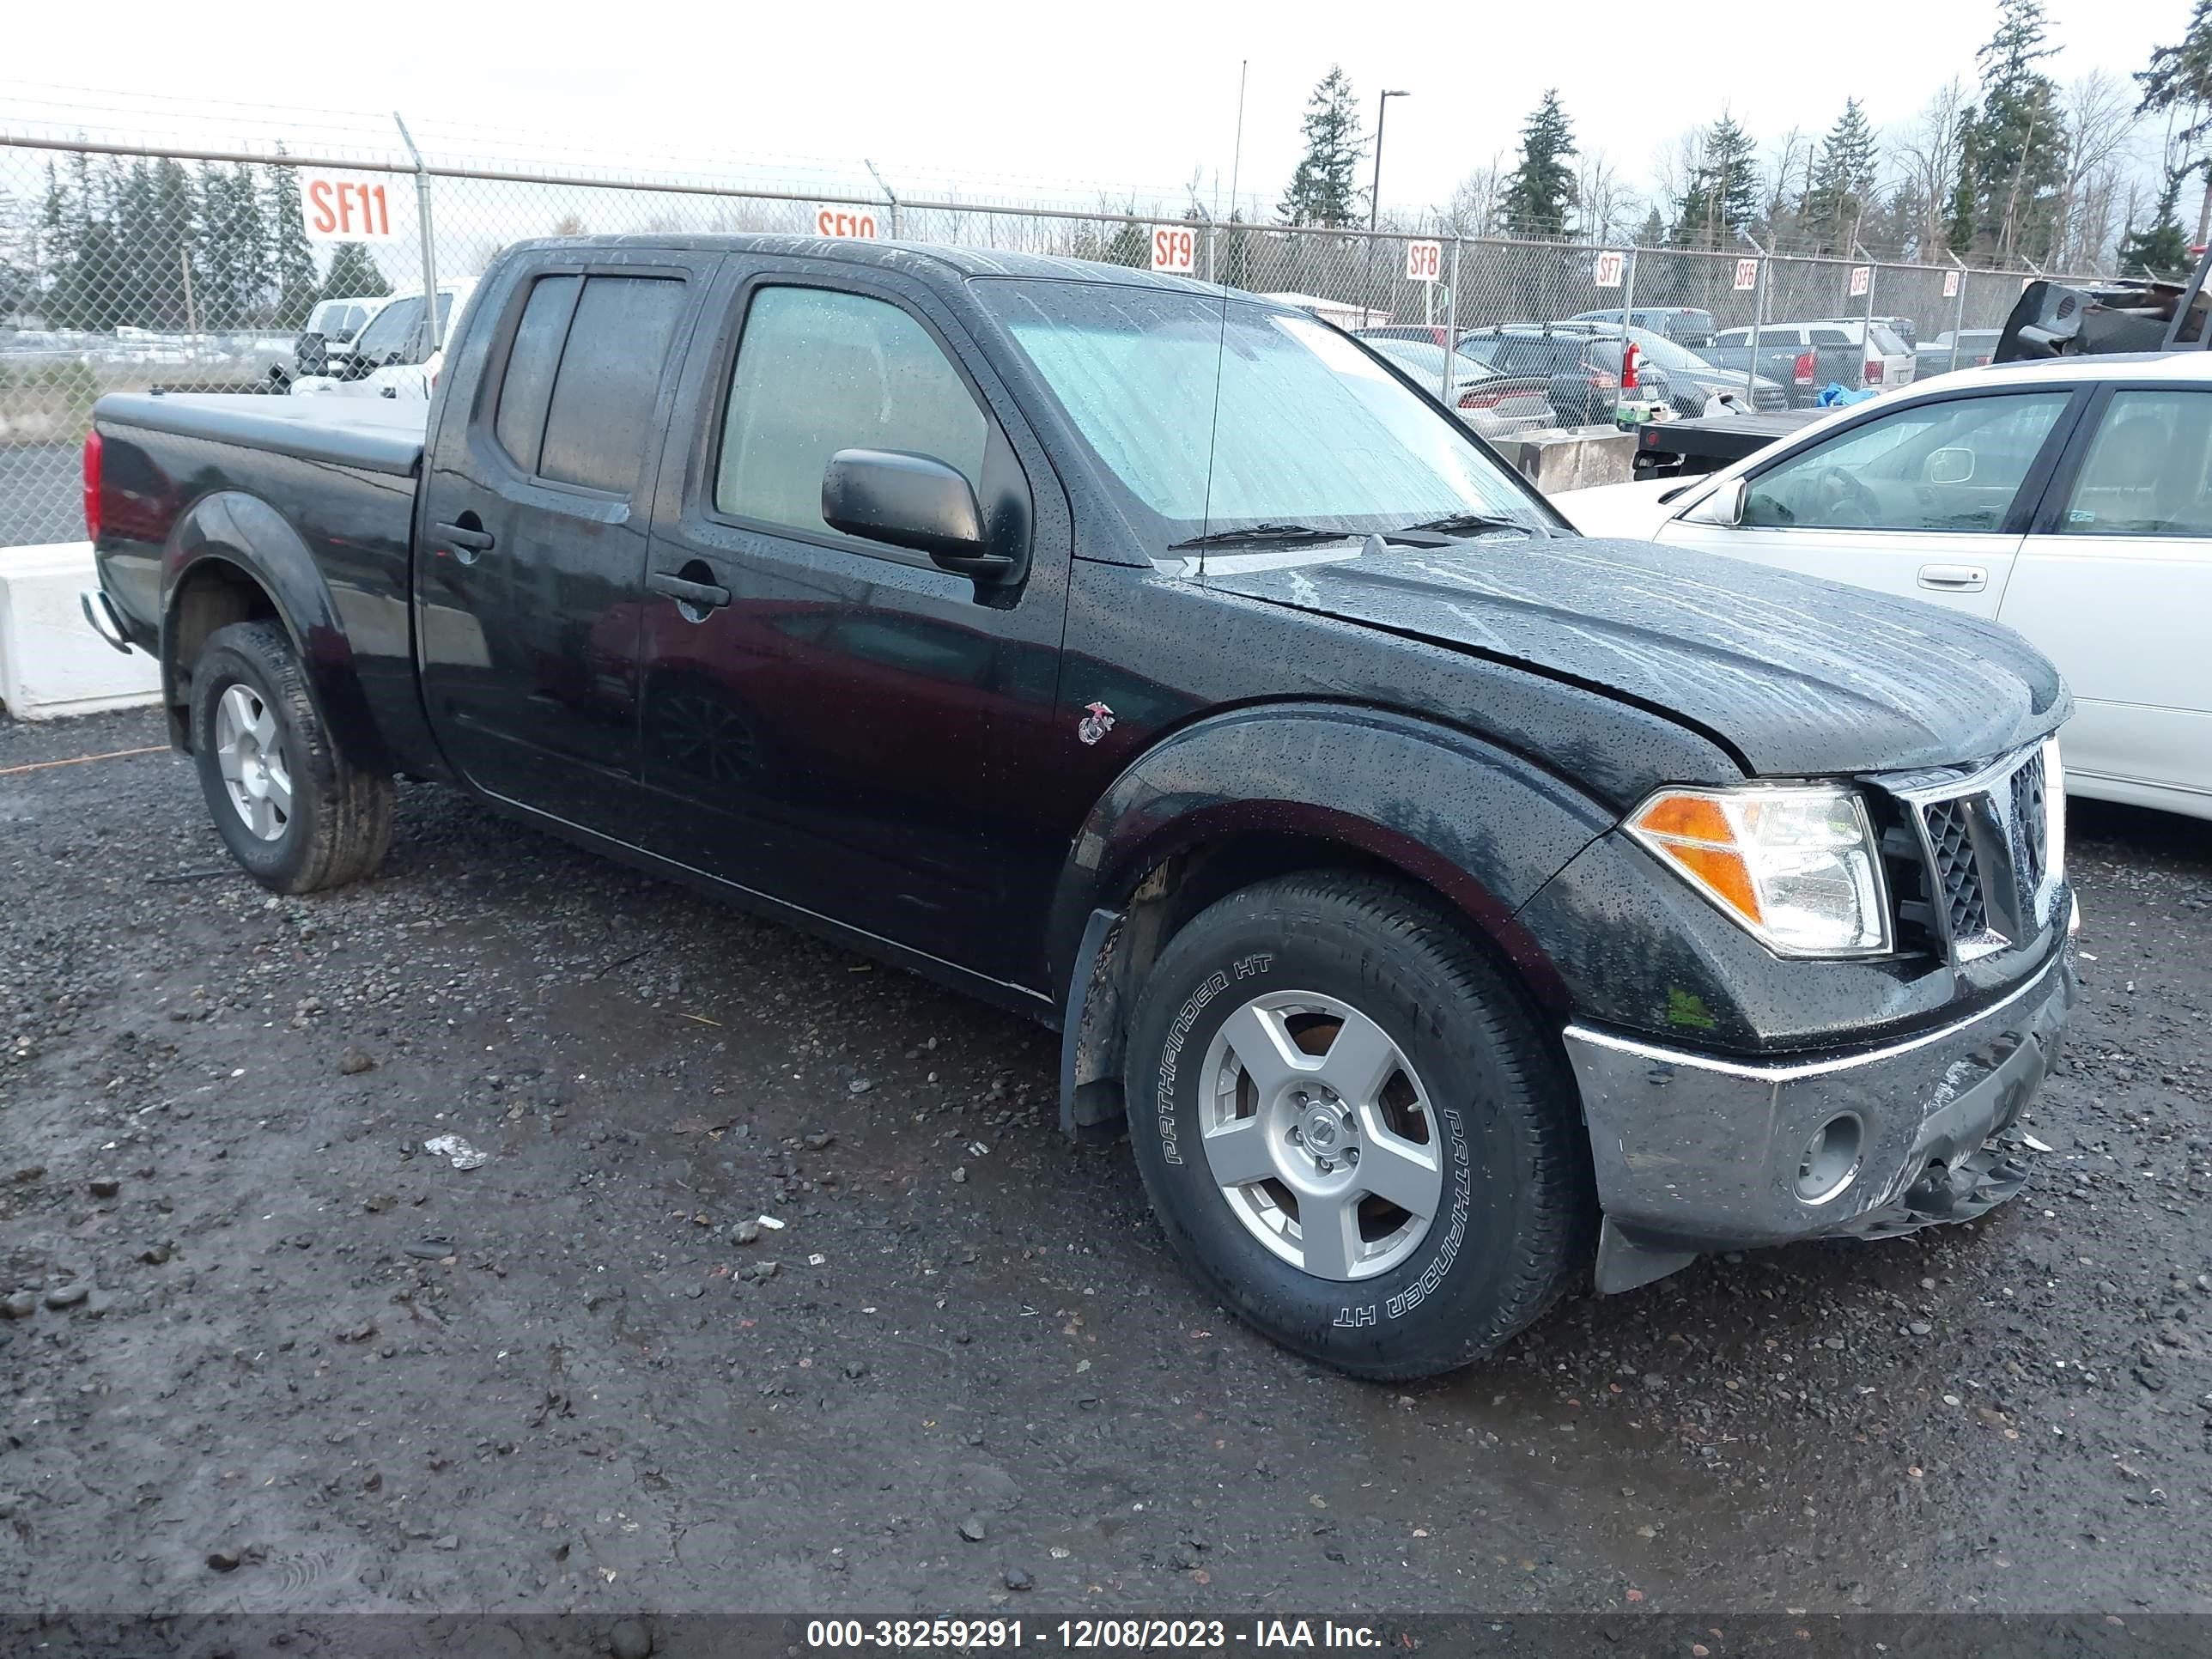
(396, 346)
(2070, 498)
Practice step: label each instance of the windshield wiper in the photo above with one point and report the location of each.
(1461, 524)
(1264, 535)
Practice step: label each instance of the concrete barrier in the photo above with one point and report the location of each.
(1573, 458)
(52, 663)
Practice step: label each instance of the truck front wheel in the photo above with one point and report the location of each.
(290, 808)
(1352, 1128)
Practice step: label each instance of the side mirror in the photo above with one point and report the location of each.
(1723, 507)
(1952, 466)
(911, 500)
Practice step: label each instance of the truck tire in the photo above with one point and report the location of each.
(1353, 1130)
(293, 812)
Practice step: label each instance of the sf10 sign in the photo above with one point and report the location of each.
(342, 207)
(1175, 248)
(846, 222)
(1746, 276)
(1612, 265)
(1424, 262)
(1950, 285)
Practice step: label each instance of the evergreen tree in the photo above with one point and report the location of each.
(1842, 192)
(292, 261)
(2179, 78)
(2162, 249)
(354, 275)
(1654, 233)
(1131, 244)
(1235, 253)
(153, 242)
(234, 247)
(1721, 195)
(1959, 214)
(1323, 191)
(2020, 139)
(1542, 189)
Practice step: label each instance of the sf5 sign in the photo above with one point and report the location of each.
(346, 207)
(1174, 248)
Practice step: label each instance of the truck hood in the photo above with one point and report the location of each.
(1794, 675)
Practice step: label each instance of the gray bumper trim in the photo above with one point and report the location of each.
(100, 613)
(1695, 1153)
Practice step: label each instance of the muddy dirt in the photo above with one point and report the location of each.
(272, 1354)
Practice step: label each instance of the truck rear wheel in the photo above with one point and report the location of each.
(1352, 1128)
(292, 810)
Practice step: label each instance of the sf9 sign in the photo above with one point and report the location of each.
(1174, 248)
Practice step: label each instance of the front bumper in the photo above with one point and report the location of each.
(1694, 1152)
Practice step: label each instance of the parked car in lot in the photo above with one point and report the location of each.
(1808, 357)
(395, 343)
(325, 343)
(1691, 379)
(1967, 349)
(1435, 334)
(2070, 498)
(1580, 364)
(1444, 901)
(1686, 325)
(1904, 328)
(1496, 405)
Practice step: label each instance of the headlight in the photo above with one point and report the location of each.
(1795, 865)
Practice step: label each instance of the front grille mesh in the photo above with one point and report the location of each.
(2030, 823)
(1957, 878)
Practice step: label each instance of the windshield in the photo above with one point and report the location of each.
(1669, 353)
(1311, 432)
(389, 331)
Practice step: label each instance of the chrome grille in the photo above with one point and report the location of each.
(2031, 825)
(1958, 878)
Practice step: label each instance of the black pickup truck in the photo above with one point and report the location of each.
(1447, 904)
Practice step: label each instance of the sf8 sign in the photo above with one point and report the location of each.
(1424, 262)
(1175, 248)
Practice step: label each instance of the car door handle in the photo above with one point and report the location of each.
(476, 541)
(1954, 578)
(706, 594)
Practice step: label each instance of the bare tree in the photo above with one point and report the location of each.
(1926, 155)
(2101, 125)
(1789, 177)
(1603, 205)
(1473, 205)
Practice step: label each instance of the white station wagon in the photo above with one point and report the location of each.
(2070, 498)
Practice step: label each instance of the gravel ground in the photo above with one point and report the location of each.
(268, 1354)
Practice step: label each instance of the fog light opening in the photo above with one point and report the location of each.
(1831, 1159)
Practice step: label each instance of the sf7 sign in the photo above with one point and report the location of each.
(336, 207)
(1612, 265)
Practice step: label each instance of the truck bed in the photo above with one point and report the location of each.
(1708, 444)
(377, 435)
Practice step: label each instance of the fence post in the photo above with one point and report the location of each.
(1451, 324)
(1958, 314)
(1758, 317)
(430, 239)
(1627, 310)
(1866, 328)
(890, 195)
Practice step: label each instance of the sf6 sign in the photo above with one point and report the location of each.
(1174, 248)
(1424, 262)
(338, 207)
(842, 221)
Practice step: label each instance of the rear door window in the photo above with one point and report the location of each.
(599, 418)
(527, 386)
(1831, 336)
(2148, 472)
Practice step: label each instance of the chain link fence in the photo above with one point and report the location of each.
(129, 266)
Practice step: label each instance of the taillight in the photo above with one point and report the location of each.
(1481, 400)
(92, 448)
(1602, 382)
(1873, 373)
(1802, 372)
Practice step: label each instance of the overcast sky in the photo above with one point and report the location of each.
(998, 97)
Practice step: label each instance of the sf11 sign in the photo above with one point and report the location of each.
(1424, 262)
(346, 207)
(1612, 265)
(1746, 276)
(1861, 279)
(1174, 248)
(846, 222)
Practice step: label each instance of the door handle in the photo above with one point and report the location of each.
(705, 595)
(475, 541)
(1954, 578)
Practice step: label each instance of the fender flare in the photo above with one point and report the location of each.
(1481, 826)
(234, 528)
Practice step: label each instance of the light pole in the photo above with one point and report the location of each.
(1374, 195)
